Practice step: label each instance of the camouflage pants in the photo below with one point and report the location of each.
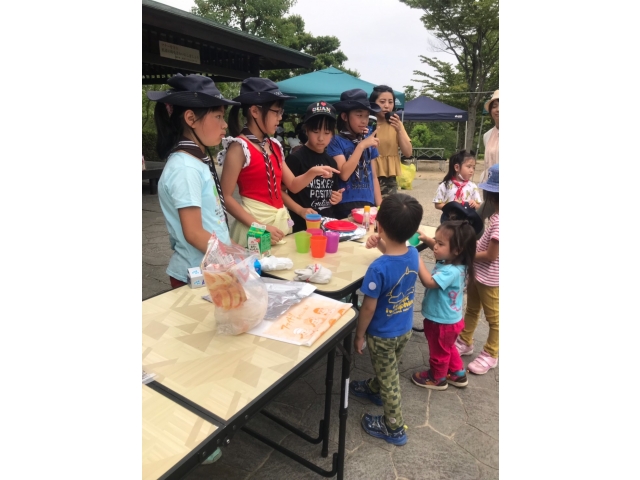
(385, 356)
(388, 186)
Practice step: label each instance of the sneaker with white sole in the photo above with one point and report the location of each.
(463, 348)
(483, 363)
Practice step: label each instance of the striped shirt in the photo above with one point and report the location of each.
(488, 273)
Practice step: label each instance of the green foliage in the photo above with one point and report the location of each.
(269, 19)
(420, 136)
(468, 29)
(149, 146)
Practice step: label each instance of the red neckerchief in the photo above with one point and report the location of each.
(460, 187)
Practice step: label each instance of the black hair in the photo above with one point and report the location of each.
(291, 134)
(457, 158)
(400, 216)
(170, 128)
(234, 122)
(342, 124)
(462, 239)
(319, 122)
(377, 90)
(490, 197)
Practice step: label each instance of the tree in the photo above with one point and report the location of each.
(469, 30)
(268, 19)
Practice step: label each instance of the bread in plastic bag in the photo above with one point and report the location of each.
(238, 294)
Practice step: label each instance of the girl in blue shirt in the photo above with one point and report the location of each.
(454, 248)
(189, 118)
(354, 153)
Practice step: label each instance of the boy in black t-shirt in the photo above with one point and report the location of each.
(322, 193)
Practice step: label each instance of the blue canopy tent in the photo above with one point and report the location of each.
(325, 85)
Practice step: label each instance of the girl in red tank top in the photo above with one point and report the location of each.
(253, 160)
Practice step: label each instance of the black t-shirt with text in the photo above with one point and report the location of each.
(317, 194)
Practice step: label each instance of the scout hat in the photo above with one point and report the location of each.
(458, 211)
(355, 99)
(493, 178)
(256, 91)
(191, 91)
(320, 108)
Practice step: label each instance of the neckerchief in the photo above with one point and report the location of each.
(272, 181)
(193, 149)
(460, 186)
(364, 161)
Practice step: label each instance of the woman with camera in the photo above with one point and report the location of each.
(392, 137)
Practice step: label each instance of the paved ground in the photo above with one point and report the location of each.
(453, 434)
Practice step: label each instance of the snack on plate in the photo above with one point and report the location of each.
(225, 289)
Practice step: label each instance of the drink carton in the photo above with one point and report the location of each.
(259, 240)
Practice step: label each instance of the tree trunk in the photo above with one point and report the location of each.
(471, 122)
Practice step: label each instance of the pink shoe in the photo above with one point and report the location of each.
(483, 363)
(463, 348)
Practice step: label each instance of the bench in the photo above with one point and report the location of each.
(152, 172)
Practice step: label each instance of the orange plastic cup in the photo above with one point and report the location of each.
(318, 246)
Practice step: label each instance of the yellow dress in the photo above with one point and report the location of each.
(388, 163)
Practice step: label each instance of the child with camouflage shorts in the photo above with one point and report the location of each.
(386, 316)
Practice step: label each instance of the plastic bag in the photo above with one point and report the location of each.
(283, 294)
(405, 181)
(238, 294)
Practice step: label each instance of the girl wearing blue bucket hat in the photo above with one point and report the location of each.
(484, 292)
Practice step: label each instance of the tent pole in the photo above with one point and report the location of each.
(402, 115)
(457, 134)
(479, 134)
(466, 124)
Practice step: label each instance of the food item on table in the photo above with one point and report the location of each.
(225, 289)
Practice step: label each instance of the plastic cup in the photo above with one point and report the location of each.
(302, 241)
(415, 239)
(333, 239)
(313, 220)
(315, 231)
(318, 246)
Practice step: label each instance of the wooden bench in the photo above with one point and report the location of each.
(152, 172)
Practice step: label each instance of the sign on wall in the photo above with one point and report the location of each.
(178, 52)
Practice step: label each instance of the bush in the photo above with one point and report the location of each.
(149, 147)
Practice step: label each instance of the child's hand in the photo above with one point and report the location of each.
(306, 211)
(276, 234)
(358, 343)
(473, 204)
(371, 141)
(336, 197)
(324, 171)
(372, 241)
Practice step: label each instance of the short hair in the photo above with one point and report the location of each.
(318, 122)
(400, 216)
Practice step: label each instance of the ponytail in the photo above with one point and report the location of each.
(234, 122)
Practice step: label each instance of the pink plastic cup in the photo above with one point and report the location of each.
(315, 231)
(333, 239)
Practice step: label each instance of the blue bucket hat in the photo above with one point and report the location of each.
(256, 91)
(191, 91)
(355, 99)
(491, 184)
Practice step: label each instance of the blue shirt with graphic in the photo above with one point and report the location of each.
(392, 280)
(355, 190)
(444, 304)
(187, 182)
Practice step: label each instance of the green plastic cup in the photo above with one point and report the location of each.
(303, 242)
(415, 239)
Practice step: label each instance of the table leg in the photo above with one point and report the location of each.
(344, 405)
(325, 422)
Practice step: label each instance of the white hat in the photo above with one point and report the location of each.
(495, 96)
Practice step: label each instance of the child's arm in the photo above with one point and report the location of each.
(439, 205)
(295, 184)
(475, 200)
(428, 241)
(376, 241)
(377, 195)
(490, 254)
(294, 207)
(191, 222)
(347, 167)
(364, 319)
(440, 198)
(425, 276)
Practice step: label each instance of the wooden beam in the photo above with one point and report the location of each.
(195, 68)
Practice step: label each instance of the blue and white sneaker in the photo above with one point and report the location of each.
(374, 425)
(360, 388)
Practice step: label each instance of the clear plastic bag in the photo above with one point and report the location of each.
(237, 291)
(283, 294)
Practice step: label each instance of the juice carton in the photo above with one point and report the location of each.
(196, 279)
(259, 240)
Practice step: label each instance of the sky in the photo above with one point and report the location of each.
(382, 41)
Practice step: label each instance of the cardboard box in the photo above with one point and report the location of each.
(195, 277)
(259, 240)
